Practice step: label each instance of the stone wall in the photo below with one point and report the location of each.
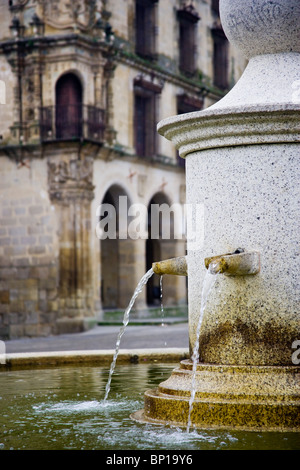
(28, 251)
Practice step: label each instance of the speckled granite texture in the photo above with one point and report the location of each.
(258, 27)
(251, 197)
(243, 167)
(227, 397)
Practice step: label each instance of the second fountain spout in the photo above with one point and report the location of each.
(239, 263)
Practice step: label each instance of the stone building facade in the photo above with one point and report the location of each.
(85, 84)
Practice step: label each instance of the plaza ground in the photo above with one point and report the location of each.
(103, 337)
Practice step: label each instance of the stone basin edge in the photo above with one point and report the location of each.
(92, 357)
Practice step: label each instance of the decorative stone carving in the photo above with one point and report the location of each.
(71, 179)
(63, 14)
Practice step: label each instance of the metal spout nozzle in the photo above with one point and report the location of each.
(239, 263)
(177, 266)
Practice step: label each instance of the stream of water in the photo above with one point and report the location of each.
(161, 301)
(209, 281)
(137, 291)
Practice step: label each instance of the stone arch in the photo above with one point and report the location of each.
(116, 250)
(71, 71)
(154, 245)
(161, 244)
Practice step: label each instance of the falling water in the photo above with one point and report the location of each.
(162, 305)
(161, 301)
(208, 283)
(137, 291)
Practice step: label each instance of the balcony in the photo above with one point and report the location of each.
(72, 122)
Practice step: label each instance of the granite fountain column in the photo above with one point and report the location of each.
(242, 167)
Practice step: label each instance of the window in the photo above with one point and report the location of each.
(68, 107)
(220, 59)
(145, 104)
(188, 18)
(69, 118)
(145, 27)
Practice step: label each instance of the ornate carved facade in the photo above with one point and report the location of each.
(85, 86)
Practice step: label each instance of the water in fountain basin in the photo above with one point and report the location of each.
(137, 291)
(61, 408)
(208, 283)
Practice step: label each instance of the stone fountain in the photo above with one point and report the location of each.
(242, 166)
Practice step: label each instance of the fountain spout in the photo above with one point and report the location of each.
(177, 266)
(239, 263)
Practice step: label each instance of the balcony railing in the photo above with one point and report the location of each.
(72, 122)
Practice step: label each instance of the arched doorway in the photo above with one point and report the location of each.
(153, 285)
(160, 236)
(68, 95)
(109, 265)
(117, 251)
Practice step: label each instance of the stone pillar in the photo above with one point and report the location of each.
(16, 61)
(243, 168)
(71, 190)
(110, 132)
(98, 71)
(34, 99)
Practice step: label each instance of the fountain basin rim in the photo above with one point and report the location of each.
(95, 357)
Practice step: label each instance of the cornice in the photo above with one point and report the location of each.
(112, 53)
(177, 79)
(215, 128)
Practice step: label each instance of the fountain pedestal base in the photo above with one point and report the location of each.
(254, 398)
